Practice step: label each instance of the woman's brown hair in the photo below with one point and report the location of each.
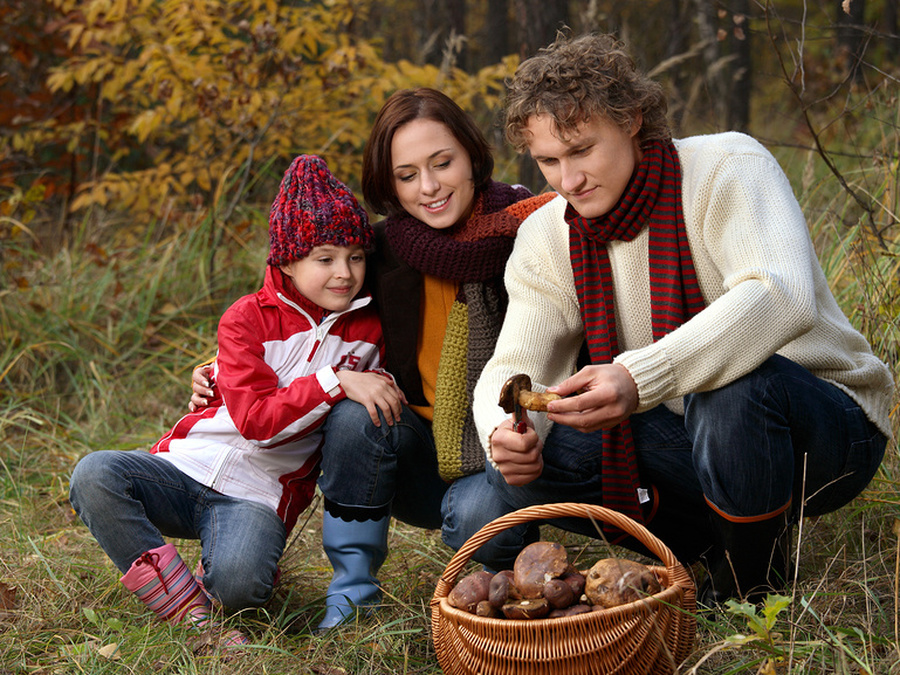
(403, 107)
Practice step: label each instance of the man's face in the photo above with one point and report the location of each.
(591, 167)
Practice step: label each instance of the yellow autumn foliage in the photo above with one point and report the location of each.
(190, 95)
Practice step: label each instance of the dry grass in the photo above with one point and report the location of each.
(96, 348)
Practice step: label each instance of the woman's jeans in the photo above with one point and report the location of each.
(774, 437)
(393, 469)
(130, 500)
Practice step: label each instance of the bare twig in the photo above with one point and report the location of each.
(798, 93)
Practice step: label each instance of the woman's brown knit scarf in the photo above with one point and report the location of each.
(653, 198)
(473, 254)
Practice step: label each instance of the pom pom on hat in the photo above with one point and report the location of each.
(313, 208)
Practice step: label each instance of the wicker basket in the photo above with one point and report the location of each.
(651, 635)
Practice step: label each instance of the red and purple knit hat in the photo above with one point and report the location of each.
(313, 208)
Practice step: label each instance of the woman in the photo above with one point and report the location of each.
(437, 279)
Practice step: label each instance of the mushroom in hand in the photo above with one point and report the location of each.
(516, 395)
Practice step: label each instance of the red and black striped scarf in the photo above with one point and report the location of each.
(652, 198)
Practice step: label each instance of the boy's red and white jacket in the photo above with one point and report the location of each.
(276, 381)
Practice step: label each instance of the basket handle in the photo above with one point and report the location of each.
(547, 511)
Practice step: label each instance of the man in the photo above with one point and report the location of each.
(727, 392)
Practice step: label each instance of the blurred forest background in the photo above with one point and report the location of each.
(173, 110)
(141, 145)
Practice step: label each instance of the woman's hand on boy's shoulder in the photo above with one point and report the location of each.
(201, 387)
(376, 392)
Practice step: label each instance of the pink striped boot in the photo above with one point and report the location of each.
(161, 580)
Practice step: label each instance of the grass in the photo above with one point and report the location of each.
(97, 342)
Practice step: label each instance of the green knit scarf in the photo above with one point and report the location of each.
(473, 254)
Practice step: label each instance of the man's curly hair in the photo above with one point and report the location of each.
(576, 79)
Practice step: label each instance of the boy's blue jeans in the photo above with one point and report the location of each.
(130, 500)
(778, 435)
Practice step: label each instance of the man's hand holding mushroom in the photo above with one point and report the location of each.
(515, 447)
(517, 455)
(607, 395)
(594, 398)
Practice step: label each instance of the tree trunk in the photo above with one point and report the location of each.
(455, 42)
(538, 22)
(850, 32)
(890, 27)
(496, 31)
(716, 83)
(678, 43)
(739, 101)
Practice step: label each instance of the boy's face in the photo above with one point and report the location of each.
(591, 168)
(330, 276)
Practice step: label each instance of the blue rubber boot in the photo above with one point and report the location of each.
(356, 550)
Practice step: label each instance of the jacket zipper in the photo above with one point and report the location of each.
(219, 467)
(321, 329)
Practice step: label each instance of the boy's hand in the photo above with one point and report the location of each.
(201, 388)
(374, 391)
(517, 455)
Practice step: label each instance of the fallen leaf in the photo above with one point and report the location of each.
(110, 651)
(322, 669)
(8, 597)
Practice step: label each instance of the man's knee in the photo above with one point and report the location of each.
(471, 503)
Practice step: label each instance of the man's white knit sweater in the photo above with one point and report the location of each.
(763, 285)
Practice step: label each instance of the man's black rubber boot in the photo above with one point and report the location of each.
(749, 560)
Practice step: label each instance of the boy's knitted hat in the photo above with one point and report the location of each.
(313, 208)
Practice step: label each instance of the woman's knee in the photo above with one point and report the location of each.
(350, 437)
(361, 462)
(347, 419)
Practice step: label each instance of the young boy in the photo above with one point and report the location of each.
(237, 474)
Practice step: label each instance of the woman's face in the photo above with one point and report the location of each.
(432, 174)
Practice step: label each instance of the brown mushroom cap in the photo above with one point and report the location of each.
(509, 394)
(534, 608)
(617, 581)
(559, 594)
(470, 590)
(538, 563)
